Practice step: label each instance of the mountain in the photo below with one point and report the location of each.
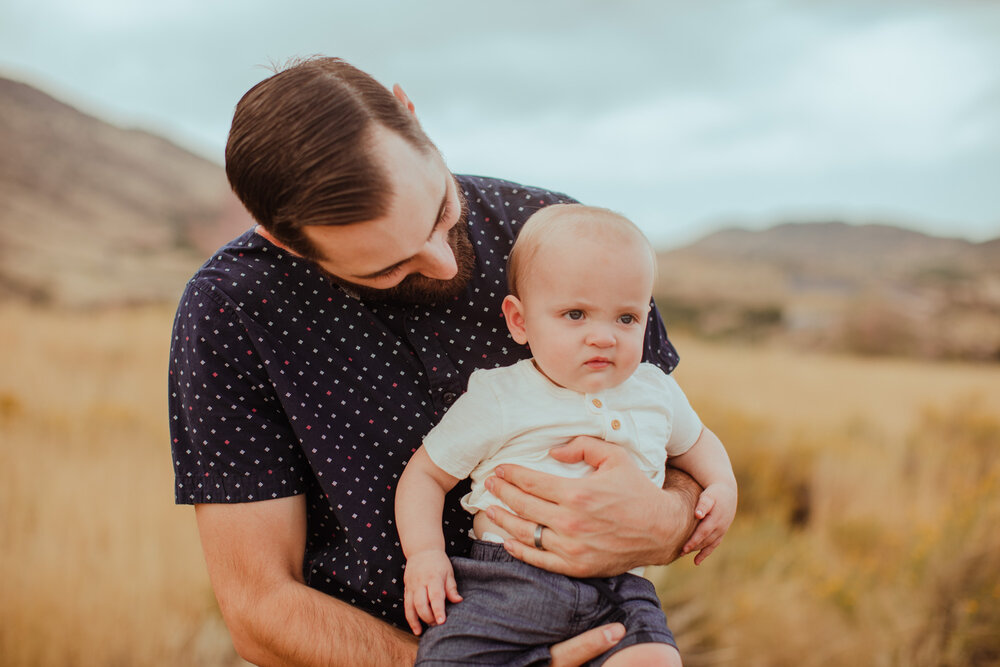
(861, 288)
(94, 214)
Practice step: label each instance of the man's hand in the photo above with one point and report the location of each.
(716, 510)
(428, 580)
(586, 646)
(601, 525)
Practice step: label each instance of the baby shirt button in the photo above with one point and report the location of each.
(615, 424)
(597, 403)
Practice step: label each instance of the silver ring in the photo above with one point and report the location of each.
(538, 537)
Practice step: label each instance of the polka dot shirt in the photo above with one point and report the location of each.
(283, 384)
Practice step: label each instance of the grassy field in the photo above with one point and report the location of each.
(870, 497)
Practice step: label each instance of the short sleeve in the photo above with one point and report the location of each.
(470, 432)
(685, 424)
(658, 348)
(230, 438)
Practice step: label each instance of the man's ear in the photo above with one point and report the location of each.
(513, 314)
(397, 90)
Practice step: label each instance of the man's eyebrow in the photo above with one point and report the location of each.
(437, 221)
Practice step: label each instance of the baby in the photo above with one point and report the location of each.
(581, 281)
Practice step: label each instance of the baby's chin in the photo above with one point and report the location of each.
(594, 382)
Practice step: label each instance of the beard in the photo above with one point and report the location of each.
(420, 290)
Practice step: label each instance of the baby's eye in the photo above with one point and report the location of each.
(628, 319)
(574, 314)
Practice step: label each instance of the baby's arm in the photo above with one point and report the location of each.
(709, 464)
(428, 577)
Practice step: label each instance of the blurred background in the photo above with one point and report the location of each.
(820, 179)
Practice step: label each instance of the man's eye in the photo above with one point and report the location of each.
(574, 314)
(389, 273)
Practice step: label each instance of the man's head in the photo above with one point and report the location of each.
(581, 280)
(337, 169)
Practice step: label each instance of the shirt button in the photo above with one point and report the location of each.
(597, 402)
(615, 424)
(449, 397)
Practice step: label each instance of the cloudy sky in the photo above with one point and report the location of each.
(686, 116)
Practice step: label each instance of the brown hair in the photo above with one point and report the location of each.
(298, 150)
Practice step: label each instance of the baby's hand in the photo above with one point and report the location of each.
(427, 580)
(716, 509)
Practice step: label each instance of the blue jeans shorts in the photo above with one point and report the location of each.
(512, 612)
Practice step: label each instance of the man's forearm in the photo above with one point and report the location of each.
(678, 521)
(298, 625)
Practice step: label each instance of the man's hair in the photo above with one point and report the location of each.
(546, 224)
(299, 148)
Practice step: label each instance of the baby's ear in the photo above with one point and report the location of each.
(513, 314)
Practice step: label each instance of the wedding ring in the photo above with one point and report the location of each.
(538, 537)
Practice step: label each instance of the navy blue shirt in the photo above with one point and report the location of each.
(281, 383)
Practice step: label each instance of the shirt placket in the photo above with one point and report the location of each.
(611, 420)
(443, 378)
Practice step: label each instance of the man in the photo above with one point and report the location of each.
(312, 354)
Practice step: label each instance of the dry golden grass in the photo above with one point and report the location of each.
(866, 534)
(98, 567)
(869, 500)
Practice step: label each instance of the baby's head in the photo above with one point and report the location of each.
(581, 280)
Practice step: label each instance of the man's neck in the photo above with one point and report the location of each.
(260, 231)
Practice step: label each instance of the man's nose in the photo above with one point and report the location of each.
(439, 259)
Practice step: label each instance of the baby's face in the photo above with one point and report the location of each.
(585, 302)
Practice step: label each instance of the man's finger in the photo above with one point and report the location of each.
(532, 508)
(593, 451)
(539, 484)
(520, 529)
(545, 560)
(587, 646)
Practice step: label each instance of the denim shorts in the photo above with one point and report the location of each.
(512, 612)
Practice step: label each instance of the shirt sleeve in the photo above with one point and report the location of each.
(471, 430)
(658, 348)
(685, 424)
(231, 440)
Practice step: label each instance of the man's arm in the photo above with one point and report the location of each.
(601, 525)
(254, 554)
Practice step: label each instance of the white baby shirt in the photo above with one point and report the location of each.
(516, 415)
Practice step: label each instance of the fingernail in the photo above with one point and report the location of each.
(499, 472)
(614, 633)
(491, 513)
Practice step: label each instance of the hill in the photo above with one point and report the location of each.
(94, 214)
(860, 288)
